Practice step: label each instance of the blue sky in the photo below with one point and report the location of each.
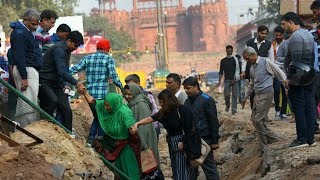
(235, 7)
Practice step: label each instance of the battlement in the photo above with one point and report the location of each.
(216, 8)
(202, 27)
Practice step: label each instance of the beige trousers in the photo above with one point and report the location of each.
(261, 106)
(25, 114)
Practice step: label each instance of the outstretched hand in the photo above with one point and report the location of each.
(81, 88)
(134, 128)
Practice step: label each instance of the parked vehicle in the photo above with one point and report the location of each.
(211, 78)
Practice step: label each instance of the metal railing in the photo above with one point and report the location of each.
(50, 118)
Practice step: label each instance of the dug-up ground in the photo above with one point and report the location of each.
(239, 156)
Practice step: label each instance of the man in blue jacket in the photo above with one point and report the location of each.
(204, 112)
(27, 60)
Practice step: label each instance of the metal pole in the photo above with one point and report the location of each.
(15, 91)
(18, 93)
(164, 43)
(166, 40)
(160, 35)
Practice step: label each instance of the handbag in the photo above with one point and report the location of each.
(148, 161)
(197, 149)
(205, 150)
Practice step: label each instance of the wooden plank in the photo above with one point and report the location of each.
(11, 142)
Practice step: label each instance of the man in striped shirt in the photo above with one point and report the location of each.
(47, 20)
(99, 68)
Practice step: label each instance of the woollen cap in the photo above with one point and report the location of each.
(103, 44)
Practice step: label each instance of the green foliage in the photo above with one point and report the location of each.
(119, 39)
(272, 7)
(12, 10)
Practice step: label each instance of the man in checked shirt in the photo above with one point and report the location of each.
(99, 68)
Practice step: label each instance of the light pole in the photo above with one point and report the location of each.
(166, 40)
(161, 50)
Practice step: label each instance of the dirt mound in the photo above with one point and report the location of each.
(20, 163)
(82, 117)
(240, 157)
(61, 150)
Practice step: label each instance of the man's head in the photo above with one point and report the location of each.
(47, 19)
(173, 82)
(229, 50)
(63, 31)
(103, 45)
(132, 78)
(278, 33)
(191, 86)
(291, 22)
(31, 19)
(262, 32)
(250, 55)
(315, 8)
(74, 40)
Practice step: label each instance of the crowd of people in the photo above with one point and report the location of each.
(127, 122)
(121, 128)
(284, 71)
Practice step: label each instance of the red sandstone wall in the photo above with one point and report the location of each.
(204, 29)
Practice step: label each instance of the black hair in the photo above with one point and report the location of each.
(279, 29)
(291, 16)
(170, 102)
(132, 77)
(315, 4)
(191, 81)
(64, 28)
(76, 37)
(176, 77)
(229, 47)
(48, 14)
(263, 28)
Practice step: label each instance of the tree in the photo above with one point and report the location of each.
(12, 10)
(119, 40)
(272, 8)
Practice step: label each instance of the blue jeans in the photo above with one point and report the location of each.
(241, 89)
(95, 128)
(230, 86)
(303, 103)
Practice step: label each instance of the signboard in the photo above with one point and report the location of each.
(91, 39)
(75, 23)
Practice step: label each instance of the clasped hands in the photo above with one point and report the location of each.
(81, 88)
(133, 129)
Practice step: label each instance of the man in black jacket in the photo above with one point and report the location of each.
(204, 112)
(54, 74)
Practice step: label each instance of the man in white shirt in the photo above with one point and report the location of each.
(277, 87)
(173, 83)
(263, 48)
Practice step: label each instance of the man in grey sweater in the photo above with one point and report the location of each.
(262, 71)
(299, 64)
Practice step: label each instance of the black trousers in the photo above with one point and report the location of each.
(252, 99)
(52, 98)
(209, 166)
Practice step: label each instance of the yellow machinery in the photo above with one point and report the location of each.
(159, 78)
(123, 74)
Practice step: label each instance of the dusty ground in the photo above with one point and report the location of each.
(19, 163)
(59, 153)
(239, 155)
